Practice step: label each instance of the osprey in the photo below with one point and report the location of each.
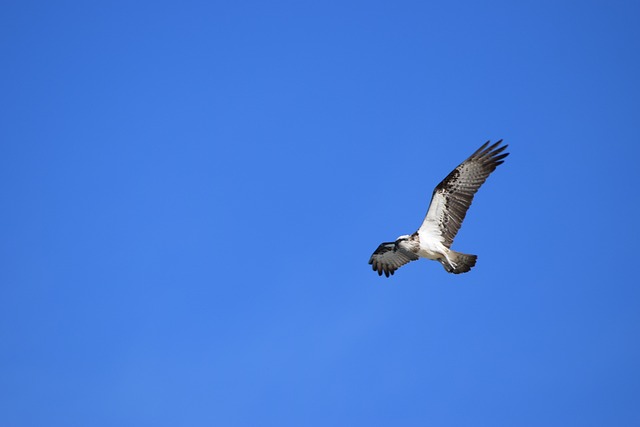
(449, 204)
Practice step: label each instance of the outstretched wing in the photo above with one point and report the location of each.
(453, 196)
(387, 258)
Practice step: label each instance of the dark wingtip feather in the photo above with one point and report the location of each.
(501, 156)
(492, 154)
(494, 145)
(488, 151)
(482, 147)
(498, 150)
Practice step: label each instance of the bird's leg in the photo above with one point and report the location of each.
(452, 265)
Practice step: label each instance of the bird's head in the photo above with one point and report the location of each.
(401, 239)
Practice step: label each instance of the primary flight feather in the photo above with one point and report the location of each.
(449, 204)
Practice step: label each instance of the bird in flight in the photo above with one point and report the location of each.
(449, 204)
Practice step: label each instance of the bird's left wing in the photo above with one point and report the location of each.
(453, 196)
(388, 258)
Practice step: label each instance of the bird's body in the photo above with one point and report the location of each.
(449, 204)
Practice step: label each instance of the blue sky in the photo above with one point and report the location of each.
(191, 192)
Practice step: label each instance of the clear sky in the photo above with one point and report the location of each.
(191, 192)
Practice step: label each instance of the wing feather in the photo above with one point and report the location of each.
(387, 258)
(453, 196)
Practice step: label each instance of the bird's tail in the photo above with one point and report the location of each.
(457, 262)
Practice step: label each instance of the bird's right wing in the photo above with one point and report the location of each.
(388, 258)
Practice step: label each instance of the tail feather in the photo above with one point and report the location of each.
(459, 262)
